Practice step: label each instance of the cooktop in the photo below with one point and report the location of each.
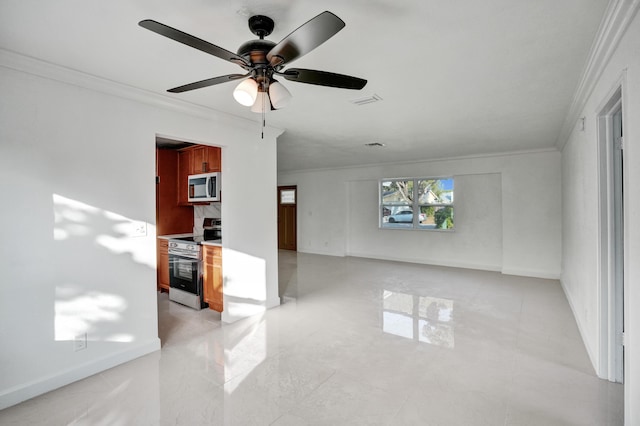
(190, 239)
(194, 239)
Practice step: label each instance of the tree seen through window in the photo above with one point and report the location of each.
(431, 197)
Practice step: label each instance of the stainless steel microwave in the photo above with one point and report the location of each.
(204, 187)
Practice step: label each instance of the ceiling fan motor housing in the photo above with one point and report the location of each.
(261, 25)
(255, 51)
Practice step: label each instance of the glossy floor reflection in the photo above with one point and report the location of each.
(358, 342)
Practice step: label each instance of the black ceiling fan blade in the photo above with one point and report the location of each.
(208, 82)
(323, 78)
(192, 41)
(305, 38)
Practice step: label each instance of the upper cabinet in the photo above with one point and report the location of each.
(192, 161)
(171, 216)
(205, 159)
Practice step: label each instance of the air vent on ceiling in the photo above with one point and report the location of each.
(366, 100)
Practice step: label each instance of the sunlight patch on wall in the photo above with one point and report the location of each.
(70, 217)
(120, 337)
(113, 231)
(245, 293)
(77, 312)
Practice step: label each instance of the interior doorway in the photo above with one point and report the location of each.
(287, 217)
(611, 183)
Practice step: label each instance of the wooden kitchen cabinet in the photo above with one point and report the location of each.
(212, 279)
(205, 159)
(184, 170)
(195, 160)
(163, 264)
(171, 217)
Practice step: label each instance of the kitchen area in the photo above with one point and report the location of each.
(189, 223)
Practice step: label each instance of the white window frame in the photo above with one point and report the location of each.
(415, 205)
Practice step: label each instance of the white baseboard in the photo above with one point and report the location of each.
(320, 252)
(18, 394)
(592, 356)
(531, 273)
(464, 265)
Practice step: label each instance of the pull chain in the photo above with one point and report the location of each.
(264, 112)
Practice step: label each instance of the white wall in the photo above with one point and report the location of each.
(476, 242)
(76, 174)
(507, 210)
(580, 231)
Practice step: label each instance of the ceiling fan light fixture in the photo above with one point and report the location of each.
(246, 92)
(279, 95)
(262, 103)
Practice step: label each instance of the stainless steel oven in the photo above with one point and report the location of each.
(185, 272)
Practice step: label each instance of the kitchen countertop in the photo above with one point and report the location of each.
(217, 243)
(168, 237)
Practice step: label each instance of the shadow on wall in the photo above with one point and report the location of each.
(96, 250)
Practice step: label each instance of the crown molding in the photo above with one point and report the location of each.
(37, 67)
(425, 161)
(614, 24)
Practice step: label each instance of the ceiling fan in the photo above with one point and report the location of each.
(263, 60)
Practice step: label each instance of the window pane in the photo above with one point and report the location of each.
(435, 191)
(397, 216)
(287, 196)
(397, 192)
(398, 302)
(436, 217)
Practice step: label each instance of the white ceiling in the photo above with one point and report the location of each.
(456, 77)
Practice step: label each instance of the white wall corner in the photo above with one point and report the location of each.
(617, 18)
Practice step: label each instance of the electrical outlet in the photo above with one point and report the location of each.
(139, 229)
(80, 342)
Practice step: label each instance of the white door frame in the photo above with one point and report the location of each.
(610, 244)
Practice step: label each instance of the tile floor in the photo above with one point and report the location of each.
(358, 342)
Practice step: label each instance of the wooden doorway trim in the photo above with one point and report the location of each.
(287, 217)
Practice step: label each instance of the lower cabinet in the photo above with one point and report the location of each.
(213, 277)
(163, 264)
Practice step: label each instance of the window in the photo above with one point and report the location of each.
(287, 196)
(432, 198)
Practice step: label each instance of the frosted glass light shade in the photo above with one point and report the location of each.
(261, 99)
(279, 95)
(245, 93)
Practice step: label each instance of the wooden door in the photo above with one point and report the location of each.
(287, 215)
